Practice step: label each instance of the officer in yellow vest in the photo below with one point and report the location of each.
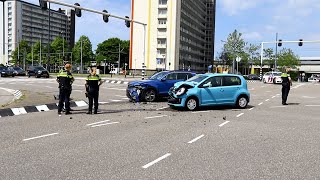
(93, 83)
(65, 80)
(286, 83)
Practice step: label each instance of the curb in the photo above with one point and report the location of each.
(39, 108)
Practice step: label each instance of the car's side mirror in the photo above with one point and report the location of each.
(164, 79)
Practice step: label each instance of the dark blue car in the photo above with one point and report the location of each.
(156, 86)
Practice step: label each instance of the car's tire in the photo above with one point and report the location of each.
(192, 104)
(274, 81)
(150, 95)
(264, 80)
(242, 102)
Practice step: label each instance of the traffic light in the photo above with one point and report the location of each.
(301, 42)
(43, 4)
(127, 22)
(78, 11)
(280, 42)
(105, 17)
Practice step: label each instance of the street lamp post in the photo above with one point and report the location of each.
(81, 70)
(3, 34)
(104, 67)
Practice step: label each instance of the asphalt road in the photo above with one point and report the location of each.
(151, 141)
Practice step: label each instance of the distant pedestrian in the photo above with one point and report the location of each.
(92, 90)
(65, 80)
(286, 83)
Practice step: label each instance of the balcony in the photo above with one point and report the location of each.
(163, 6)
(161, 46)
(162, 36)
(162, 26)
(162, 15)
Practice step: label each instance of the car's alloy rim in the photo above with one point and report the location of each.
(242, 102)
(150, 95)
(192, 104)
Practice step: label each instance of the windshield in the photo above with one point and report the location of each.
(3, 68)
(197, 78)
(277, 74)
(39, 68)
(17, 68)
(158, 75)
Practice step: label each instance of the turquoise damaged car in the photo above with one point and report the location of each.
(210, 90)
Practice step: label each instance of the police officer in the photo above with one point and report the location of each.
(286, 83)
(65, 80)
(93, 83)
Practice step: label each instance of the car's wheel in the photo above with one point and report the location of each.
(192, 104)
(150, 95)
(242, 102)
(264, 80)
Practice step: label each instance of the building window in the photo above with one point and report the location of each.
(162, 21)
(163, 2)
(162, 12)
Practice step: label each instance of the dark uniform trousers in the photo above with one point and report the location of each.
(65, 80)
(285, 93)
(93, 92)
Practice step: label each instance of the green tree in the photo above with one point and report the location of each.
(269, 57)
(87, 53)
(20, 51)
(234, 46)
(58, 46)
(286, 57)
(254, 54)
(109, 50)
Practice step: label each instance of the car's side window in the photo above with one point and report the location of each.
(182, 76)
(212, 82)
(172, 76)
(231, 81)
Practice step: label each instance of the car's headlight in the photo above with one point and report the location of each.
(181, 91)
(39, 72)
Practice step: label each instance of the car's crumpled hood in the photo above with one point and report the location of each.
(178, 84)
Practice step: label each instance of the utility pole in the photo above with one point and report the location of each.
(3, 34)
(276, 56)
(40, 50)
(48, 55)
(119, 60)
(81, 70)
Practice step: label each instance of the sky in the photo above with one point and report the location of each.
(257, 20)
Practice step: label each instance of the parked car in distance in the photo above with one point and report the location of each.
(314, 78)
(38, 71)
(18, 71)
(272, 77)
(210, 90)
(6, 71)
(253, 77)
(157, 85)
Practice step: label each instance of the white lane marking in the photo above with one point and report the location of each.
(104, 102)
(278, 106)
(152, 117)
(105, 124)
(251, 109)
(125, 82)
(196, 139)
(157, 160)
(224, 123)
(273, 97)
(115, 100)
(312, 105)
(121, 96)
(119, 82)
(42, 108)
(37, 137)
(260, 103)
(125, 98)
(251, 89)
(196, 112)
(115, 89)
(267, 100)
(162, 108)
(98, 122)
(277, 94)
(112, 81)
(77, 90)
(81, 103)
(49, 87)
(309, 97)
(240, 114)
(18, 111)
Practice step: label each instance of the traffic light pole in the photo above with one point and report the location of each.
(106, 14)
(273, 42)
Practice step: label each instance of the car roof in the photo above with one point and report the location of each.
(221, 74)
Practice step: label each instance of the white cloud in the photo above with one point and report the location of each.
(252, 36)
(233, 7)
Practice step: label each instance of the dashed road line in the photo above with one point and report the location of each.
(157, 160)
(240, 114)
(313, 105)
(196, 139)
(260, 103)
(267, 100)
(251, 109)
(152, 117)
(273, 97)
(224, 123)
(37, 137)
(98, 122)
(98, 125)
(196, 112)
(162, 108)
